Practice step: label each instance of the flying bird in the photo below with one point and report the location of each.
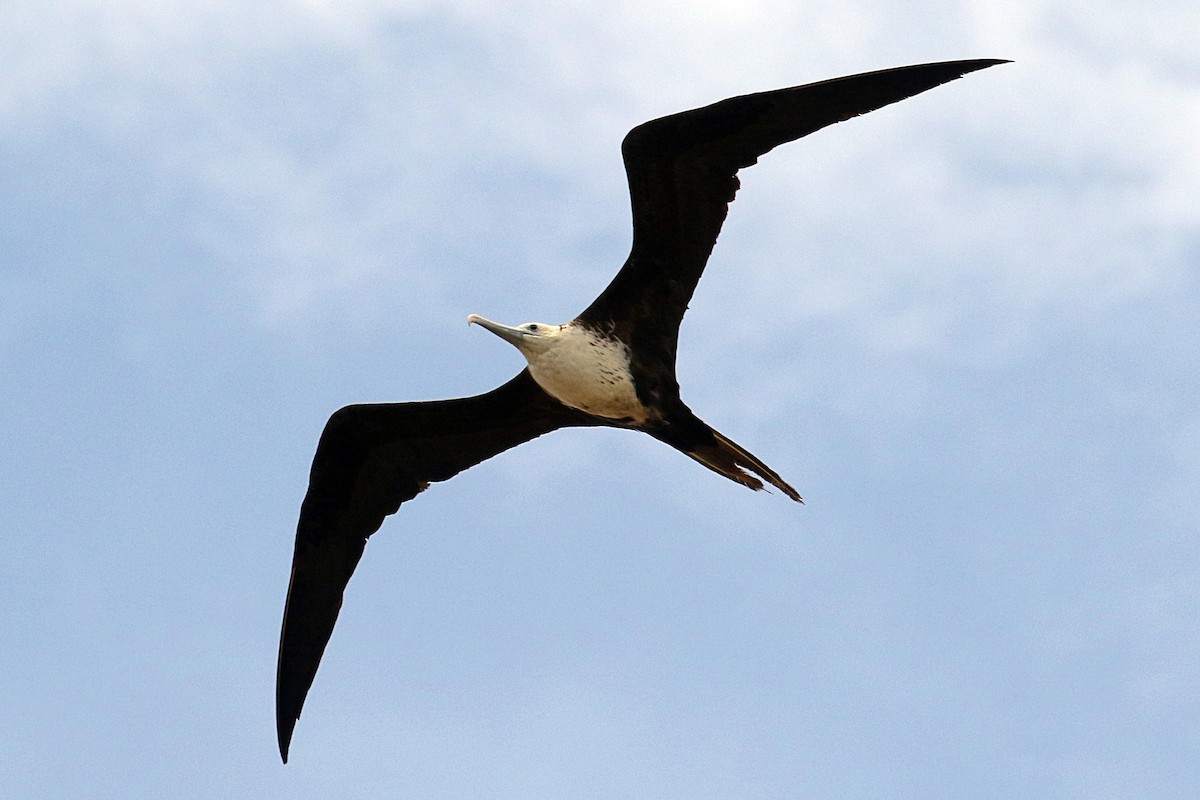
(613, 365)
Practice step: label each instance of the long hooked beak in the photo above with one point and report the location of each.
(514, 336)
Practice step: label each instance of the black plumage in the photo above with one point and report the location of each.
(682, 172)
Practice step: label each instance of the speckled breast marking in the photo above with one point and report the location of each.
(591, 373)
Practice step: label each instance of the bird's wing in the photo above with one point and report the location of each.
(370, 460)
(682, 172)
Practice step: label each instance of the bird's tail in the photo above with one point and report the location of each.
(730, 459)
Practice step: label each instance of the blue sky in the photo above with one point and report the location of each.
(964, 327)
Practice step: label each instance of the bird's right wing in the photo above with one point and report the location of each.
(370, 460)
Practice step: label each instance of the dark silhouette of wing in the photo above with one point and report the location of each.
(370, 460)
(682, 172)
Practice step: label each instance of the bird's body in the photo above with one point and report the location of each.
(578, 366)
(613, 365)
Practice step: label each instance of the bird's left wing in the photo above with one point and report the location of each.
(682, 172)
(370, 460)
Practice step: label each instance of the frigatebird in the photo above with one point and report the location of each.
(612, 365)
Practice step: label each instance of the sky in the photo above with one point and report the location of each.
(966, 328)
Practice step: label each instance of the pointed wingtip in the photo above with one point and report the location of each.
(283, 746)
(982, 63)
(283, 728)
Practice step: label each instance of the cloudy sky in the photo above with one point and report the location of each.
(966, 328)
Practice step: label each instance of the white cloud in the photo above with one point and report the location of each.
(962, 327)
(352, 159)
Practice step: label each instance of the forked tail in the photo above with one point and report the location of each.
(730, 459)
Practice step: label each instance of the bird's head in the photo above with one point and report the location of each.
(529, 337)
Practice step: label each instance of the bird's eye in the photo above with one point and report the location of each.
(532, 327)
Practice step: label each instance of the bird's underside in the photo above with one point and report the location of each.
(682, 172)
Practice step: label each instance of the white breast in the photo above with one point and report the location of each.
(588, 372)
